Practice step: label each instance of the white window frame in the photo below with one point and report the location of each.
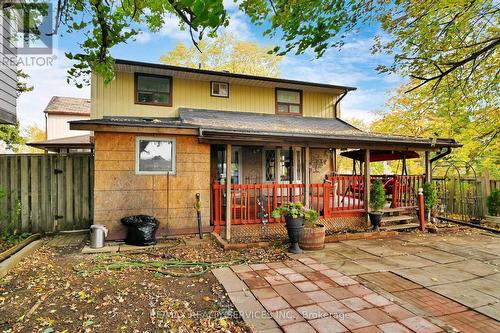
(296, 178)
(153, 138)
(213, 83)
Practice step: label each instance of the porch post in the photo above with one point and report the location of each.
(306, 176)
(367, 184)
(228, 191)
(428, 170)
(334, 162)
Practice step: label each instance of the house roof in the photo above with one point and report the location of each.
(68, 106)
(209, 75)
(247, 127)
(249, 122)
(75, 142)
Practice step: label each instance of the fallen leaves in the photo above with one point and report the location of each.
(129, 300)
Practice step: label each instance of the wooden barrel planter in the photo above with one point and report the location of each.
(313, 238)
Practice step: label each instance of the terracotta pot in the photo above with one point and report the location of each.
(313, 238)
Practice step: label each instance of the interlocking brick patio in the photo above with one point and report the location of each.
(415, 283)
(306, 296)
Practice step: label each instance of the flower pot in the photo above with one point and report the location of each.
(312, 238)
(294, 226)
(375, 218)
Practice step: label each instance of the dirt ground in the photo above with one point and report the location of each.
(46, 294)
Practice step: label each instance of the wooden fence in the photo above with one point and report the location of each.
(46, 193)
(464, 198)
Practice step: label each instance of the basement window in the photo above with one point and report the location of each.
(153, 89)
(154, 156)
(288, 101)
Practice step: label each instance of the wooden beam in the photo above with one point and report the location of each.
(323, 143)
(428, 169)
(334, 161)
(307, 175)
(228, 191)
(135, 129)
(367, 184)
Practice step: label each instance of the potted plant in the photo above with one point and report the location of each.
(377, 203)
(295, 215)
(493, 204)
(430, 199)
(312, 236)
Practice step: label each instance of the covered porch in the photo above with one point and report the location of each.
(297, 175)
(260, 161)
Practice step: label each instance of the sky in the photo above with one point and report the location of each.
(354, 66)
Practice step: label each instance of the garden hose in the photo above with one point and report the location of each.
(172, 267)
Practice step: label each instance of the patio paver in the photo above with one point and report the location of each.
(427, 283)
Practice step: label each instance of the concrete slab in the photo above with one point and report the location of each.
(492, 310)
(475, 267)
(409, 261)
(438, 256)
(349, 267)
(469, 297)
(229, 280)
(106, 249)
(354, 253)
(251, 311)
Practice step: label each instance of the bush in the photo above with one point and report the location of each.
(430, 196)
(493, 202)
(377, 196)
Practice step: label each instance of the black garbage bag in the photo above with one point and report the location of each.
(141, 229)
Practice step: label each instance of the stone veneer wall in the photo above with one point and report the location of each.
(119, 192)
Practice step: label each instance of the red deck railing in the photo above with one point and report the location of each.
(338, 195)
(327, 198)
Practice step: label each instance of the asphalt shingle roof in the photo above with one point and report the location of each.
(68, 105)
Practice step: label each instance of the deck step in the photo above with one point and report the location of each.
(397, 227)
(397, 210)
(397, 218)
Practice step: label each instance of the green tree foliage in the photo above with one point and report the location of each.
(10, 135)
(493, 203)
(377, 196)
(109, 23)
(474, 121)
(225, 53)
(428, 39)
(430, 196)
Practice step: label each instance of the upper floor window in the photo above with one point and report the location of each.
(288, 101)
(153, 89)
(219, 89)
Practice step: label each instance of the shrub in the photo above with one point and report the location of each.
(493, 203)
(377, 196)
(430, 196)
(296, 210)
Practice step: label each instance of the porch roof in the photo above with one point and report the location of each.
(71, 142)
(248, 128)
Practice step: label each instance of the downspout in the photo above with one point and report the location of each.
(441, 155)
(437, 157)
(337, 111)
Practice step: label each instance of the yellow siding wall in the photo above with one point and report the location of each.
(117, 99)
(119, 192)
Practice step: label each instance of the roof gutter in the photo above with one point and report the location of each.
(337, 110)
(441, 155)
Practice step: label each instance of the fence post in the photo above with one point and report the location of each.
(421, 208)
(485, 190)
(326, 200)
